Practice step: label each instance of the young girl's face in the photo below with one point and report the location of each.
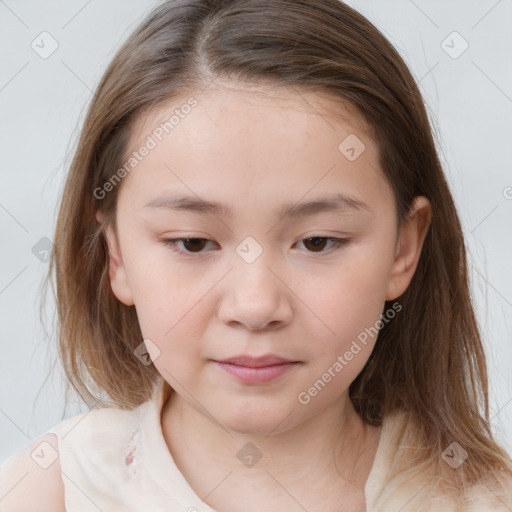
(266, 280)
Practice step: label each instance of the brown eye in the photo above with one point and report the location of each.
(190, 245)
(193, 244)
(317, 243)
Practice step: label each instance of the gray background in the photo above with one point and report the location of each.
(42, 102)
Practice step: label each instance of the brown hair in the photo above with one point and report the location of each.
(430, 360)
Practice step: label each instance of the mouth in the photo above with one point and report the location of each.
(258, 370)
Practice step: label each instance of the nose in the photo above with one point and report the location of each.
(255, 298)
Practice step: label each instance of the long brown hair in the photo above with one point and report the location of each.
(430, 360)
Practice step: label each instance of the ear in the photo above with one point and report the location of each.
(412, 235)
(116, 270)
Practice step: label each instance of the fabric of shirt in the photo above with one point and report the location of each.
(118, 460)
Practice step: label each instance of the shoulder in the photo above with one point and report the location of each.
(94, 439)
(94, 451)
(489, 496)
(31, 479)
(97, 423)
(398, 483)
(97, 438)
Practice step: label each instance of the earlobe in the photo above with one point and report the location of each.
(116, 269)
(412, 235)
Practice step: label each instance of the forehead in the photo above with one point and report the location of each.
(319, 111)
(254, 141)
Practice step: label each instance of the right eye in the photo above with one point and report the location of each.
(191, 245)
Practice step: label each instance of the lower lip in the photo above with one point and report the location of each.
(256, 375)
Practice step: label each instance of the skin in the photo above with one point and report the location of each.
(255, 150)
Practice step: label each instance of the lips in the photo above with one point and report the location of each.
(257, 362)
(257, 370)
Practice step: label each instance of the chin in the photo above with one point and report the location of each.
(252, 429)
(258, 423)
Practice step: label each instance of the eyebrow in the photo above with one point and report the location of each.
(334, 203)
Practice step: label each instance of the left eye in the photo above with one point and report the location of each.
(318, 242)
(195, 245)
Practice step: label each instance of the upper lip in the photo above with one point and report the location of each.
(256, 362)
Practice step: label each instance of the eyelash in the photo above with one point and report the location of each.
(338, 243)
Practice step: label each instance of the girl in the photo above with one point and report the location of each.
(259, 262)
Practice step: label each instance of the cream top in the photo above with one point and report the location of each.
(118, 460)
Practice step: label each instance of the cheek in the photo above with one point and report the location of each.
(354, 294)
(175, 328)
(347, 306)
(161, 288)
(170, 306)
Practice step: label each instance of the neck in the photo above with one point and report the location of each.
(333, 448)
